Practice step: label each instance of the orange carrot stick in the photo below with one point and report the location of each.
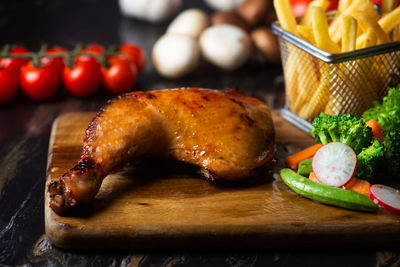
(355, 185)
(292, 161)
(313, 177)
(377, 130)
(359, 186)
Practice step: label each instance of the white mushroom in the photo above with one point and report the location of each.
(176, 55)
(150, 10)
(190, 22)
(224, 5)
(226, 46)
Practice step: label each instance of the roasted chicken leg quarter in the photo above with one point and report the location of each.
(227, 134)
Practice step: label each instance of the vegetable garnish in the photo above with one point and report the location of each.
(377, 129)
(345, 128)
(371, 161)
(386, 114)
(386, 197)
(305, 167)
(356, 185)
(392, 145)
(327, 194)
(334, 164)
(293, 160)
(353, 148)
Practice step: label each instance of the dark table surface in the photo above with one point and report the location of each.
(25, 128)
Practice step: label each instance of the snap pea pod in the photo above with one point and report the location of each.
(327, 194)
(305, 167)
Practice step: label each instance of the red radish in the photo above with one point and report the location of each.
(388, 198)
(334, 164)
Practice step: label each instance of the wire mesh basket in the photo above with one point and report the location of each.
(317, 81)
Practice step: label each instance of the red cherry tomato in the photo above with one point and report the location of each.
(58, 63)
(39, 83)
(8, 85)
(14, 64)
(120, 76)
(333, 5)
(84, 58)
(136, 53)
(83, 79)
(299, 7)
(94, 48)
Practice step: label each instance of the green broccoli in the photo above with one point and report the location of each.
(386, 114)
(371, 161)
(392, 144)
(345, 128)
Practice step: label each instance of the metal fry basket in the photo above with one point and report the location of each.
(317, 81)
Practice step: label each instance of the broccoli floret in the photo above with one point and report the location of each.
(345, 128)
(392, 144)
(386, 114)
(371, 161)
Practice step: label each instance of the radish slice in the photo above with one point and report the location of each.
(334, 164)
(386, 197)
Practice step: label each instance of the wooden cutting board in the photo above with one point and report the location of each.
(166, 205)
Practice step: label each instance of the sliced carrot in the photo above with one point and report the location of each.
(313, 177)
(355, 185)
(292, 161)
(377, 130)
(359, 186)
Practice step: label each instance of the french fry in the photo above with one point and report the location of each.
(357, 6)
(285, 15)
(307, 80)
(306, 20)
(387, 6)
(343, 5)
(368, 8)
(366, 22)
(291, 75)
(360, 83)
(396, 34)
(306, 33)
(389, 21)
(318, 99)
(349, 33)
(334, 27)
(320, 30)
(367, 39)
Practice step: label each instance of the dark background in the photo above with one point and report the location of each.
(25, 128)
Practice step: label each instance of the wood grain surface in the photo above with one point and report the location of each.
(158, 204)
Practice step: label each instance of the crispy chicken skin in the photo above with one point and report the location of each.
(227, 134)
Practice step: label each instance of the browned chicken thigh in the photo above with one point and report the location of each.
(227, 134)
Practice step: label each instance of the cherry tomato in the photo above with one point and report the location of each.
(86, 58)
(14, 64)
(299, 7)
(8, 85)
(120, 76)
(94, 48)
(333, 5)
(136, 53)
(58, 63)
(39, 83)
(83, 79)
